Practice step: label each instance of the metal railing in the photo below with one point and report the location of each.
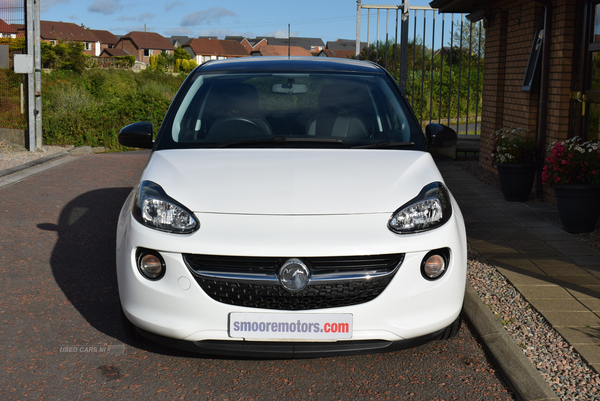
(12, 109)
(437, 60)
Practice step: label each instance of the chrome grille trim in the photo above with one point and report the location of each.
(253, 281)
(271, 279)
(246, 278)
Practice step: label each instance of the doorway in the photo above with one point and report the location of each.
(585, 111)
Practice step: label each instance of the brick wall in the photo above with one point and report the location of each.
(509, 35)
(512, 26)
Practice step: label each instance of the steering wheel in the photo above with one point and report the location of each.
(236, 128)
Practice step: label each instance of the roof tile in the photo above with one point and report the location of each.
(149, 40)
(217, 47)
(51, 30)
(270, 50)
(105, 37)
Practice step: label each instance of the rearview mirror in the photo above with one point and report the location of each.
(294, 89)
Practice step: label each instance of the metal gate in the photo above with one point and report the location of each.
(12, 39)
(436, 58)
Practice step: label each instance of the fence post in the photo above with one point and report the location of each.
(358, 10)
(404, 44)
(30, 78)
(37, 56)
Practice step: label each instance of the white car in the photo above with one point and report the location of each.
(291, 208)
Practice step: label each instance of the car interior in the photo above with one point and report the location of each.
(223, 110)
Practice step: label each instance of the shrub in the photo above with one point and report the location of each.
(91, 108)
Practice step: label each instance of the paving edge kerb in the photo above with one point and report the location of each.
(76, 151)
(518, 371)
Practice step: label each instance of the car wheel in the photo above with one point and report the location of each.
(452, 330)
(131, 332)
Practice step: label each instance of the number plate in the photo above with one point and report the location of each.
(290, 326)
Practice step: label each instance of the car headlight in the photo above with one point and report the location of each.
(430, 209)
(155, 209)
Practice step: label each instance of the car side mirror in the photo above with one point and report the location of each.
(441, 141)
(440, 136)
(137, 135)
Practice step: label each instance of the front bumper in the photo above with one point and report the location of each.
(411, 310)
(268, 350)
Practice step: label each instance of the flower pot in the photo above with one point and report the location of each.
(578, 207)
(516, 180)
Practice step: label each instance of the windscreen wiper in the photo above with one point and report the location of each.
(384, 145)
(277, 139)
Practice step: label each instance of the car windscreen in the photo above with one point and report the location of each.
(272, 109)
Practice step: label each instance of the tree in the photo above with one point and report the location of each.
(48, 55)
(472, 36)
(165, 61)
(63, 56)
(181, 53)
(182, 65)
(419, 56)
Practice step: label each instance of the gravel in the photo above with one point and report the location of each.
(14, 155)
(562, 367)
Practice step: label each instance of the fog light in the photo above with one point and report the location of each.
(151, 264)
(435, 264)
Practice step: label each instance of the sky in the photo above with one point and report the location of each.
(326, 19)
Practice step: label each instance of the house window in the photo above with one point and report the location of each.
(147, 52)
(53, 42)
(87, 46)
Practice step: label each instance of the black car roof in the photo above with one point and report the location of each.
(297, 64)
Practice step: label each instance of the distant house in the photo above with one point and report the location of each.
(179, 41)
(203, 50)
(142, 45)
(316, 45)
(313, 45)
(256, 43)
(11, 30)
(270, 50)
(337, 53)
(114, 52)
(345, 44)
(249, 44)
(6, 31)
(52, 31)
(106, 40)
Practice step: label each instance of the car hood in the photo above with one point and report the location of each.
(291, 181)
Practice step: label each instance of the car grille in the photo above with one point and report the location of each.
(252, 281)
